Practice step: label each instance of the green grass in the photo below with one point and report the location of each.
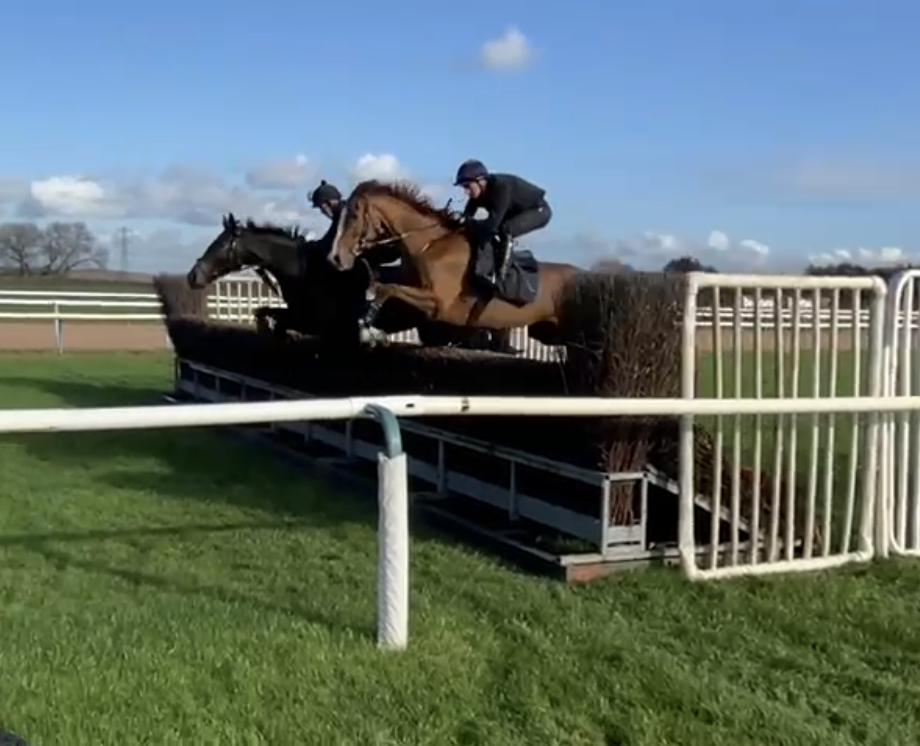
(179, 587)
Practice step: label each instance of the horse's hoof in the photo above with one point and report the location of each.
(370, 335)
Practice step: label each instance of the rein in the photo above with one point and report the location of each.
(268, 280)
(364, 245)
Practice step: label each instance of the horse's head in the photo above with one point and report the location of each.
(379, 213)
(221, 257)
(240, 245)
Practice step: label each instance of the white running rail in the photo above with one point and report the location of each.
(234, 299)
(393, 577)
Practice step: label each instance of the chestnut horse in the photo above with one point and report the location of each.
(433, 242)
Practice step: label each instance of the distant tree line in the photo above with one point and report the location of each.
(56, 249)
(692, 264)
(686, 264)
(680, 264)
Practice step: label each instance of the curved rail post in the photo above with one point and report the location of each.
(392, 534)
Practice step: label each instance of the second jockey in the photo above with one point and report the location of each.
(327, 199)
(514, 205)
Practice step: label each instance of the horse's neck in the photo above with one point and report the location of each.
(278, 256)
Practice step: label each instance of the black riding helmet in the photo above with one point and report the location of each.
(470, 171)
(325, 192)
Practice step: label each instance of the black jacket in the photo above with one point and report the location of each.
(506, 195)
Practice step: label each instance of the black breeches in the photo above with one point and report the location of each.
(527, 221)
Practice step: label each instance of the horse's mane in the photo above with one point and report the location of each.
(406, 191)
(293, 231)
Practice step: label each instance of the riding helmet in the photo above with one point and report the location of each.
(470, 171)
(325, 192)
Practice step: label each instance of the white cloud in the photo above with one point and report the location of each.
(386, 167)
(754, 247)
(72, 196)
(885, 255)
(181, 193)
(12, 190)
(512, 51)
(720, 242)
(286, 173)
(653, 249)
(383, 167)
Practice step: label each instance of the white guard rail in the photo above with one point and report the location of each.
(786, 523)
(393, 579)
(899, 521)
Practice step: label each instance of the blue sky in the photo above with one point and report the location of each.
(652, 124)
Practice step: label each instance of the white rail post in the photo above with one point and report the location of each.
(58, 329)
(392, 535)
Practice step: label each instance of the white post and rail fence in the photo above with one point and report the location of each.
(235, 300)
(856, 417)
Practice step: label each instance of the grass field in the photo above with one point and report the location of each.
(178, 587)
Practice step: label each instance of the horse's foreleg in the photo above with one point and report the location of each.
(263, 317)
(418, 298)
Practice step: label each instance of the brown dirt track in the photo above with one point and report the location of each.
(87, 336)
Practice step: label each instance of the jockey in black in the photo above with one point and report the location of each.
(328, 199)
(515, 207)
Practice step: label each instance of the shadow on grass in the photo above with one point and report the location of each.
(301, 608)
(212, 469)
(221, 470)
(187, 467)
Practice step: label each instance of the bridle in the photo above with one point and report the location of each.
(363, 244)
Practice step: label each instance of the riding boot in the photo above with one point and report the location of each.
(484, 265)
(502, 256)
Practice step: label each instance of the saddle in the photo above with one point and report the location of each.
(521, 282)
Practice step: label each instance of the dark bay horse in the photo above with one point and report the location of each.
(433, 241)
(320, 301)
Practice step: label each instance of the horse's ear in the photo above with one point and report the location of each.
(225, 222)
